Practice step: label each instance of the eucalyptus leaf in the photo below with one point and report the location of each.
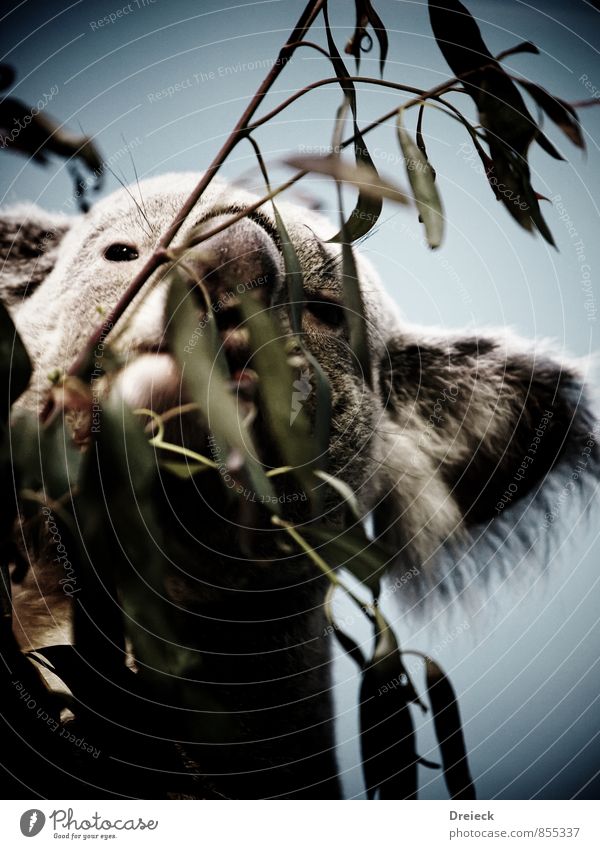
(367, 210)
(366, 14)
(387, 737)
(508, 125)
(422, 181)
(362, 176)
(203, 376)
(448, 729)
(559, 111)
(295, 288)
(290, 428)
(350, 548)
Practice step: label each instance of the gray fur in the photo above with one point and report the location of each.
(30, 241)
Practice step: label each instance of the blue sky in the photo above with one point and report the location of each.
(525, 662)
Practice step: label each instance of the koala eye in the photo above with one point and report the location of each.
(118, 252)
(326, 312)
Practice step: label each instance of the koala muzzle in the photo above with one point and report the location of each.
(240, 261)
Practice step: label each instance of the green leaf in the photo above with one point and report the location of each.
(46, 458)
(448, 729)
(365, 214)
(422, 181)
(352, 550)
(203, 372)
(342, 488)
(294, 279)
(290, 428)
(124, 471)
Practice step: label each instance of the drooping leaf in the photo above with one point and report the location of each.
(351, 549)
(422, 181)
(512, 182)
(289, 427)
(448, 729)
(387, 734)
(545, 143)
(508, 125)
(346, 642)
(366, 212)
(295, 288)
(360, 41)
(559, 111)
(501, 108)
(420, 139)
(387, 739)
(294, 277)
(359, 175)
(204, 378)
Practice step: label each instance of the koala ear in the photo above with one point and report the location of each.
(29, 243)
(498, 435)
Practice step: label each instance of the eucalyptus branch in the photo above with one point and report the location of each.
(224, 225)
(313, 45)
(423, 93)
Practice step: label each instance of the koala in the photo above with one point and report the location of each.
(463, 436)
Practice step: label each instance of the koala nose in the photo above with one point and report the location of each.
(241, 259)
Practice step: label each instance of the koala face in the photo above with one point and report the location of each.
(457, 429)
